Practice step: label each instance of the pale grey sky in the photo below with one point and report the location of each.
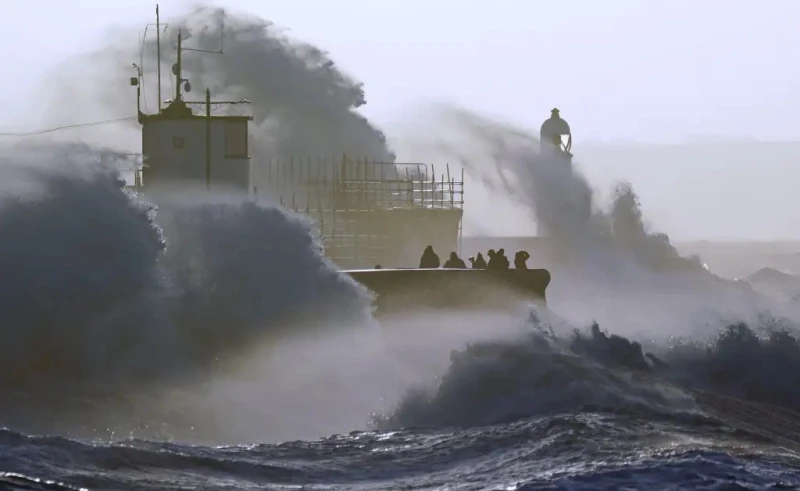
(641, 70)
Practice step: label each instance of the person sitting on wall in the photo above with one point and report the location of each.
(520, 259)
(479, 262)
(506, 262)
(500, 260)
(429, 259)
(455, 262)
(494, 260)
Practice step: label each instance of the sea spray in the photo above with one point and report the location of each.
(541, 373)
(100, 296)
(607, 262)
(558, 197)
(534, 374)
(303, 104)
(78, 275)
(244, 268)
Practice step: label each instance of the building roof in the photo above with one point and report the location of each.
(178, 110)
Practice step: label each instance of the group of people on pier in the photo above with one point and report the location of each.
(497, 260)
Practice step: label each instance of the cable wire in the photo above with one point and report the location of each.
(65, 127)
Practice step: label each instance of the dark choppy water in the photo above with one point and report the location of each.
(524, 413)
(581, 450)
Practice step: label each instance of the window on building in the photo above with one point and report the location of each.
(236, 139)
(177, 142)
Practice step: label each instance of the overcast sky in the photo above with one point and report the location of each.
(628, 70)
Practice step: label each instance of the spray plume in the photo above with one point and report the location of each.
(113, 294)
(303, 105)
(606, 262)
(102, 296)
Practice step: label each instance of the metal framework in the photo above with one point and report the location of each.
(359, 205)
(357, 184)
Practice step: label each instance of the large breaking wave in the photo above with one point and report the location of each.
(101, 292)
(548, 370)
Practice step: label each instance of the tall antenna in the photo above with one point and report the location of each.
(177, 68)
(221, 39)
(158, 49)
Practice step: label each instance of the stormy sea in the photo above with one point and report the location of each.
(177, 340)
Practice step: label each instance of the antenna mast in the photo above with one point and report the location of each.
(177, 67)
(158, 49)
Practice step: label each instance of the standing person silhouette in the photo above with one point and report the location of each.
(429, 259)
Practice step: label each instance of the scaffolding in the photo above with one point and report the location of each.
(357, 184)
(365, 209)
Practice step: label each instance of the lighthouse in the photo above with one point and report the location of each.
(555, 137)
